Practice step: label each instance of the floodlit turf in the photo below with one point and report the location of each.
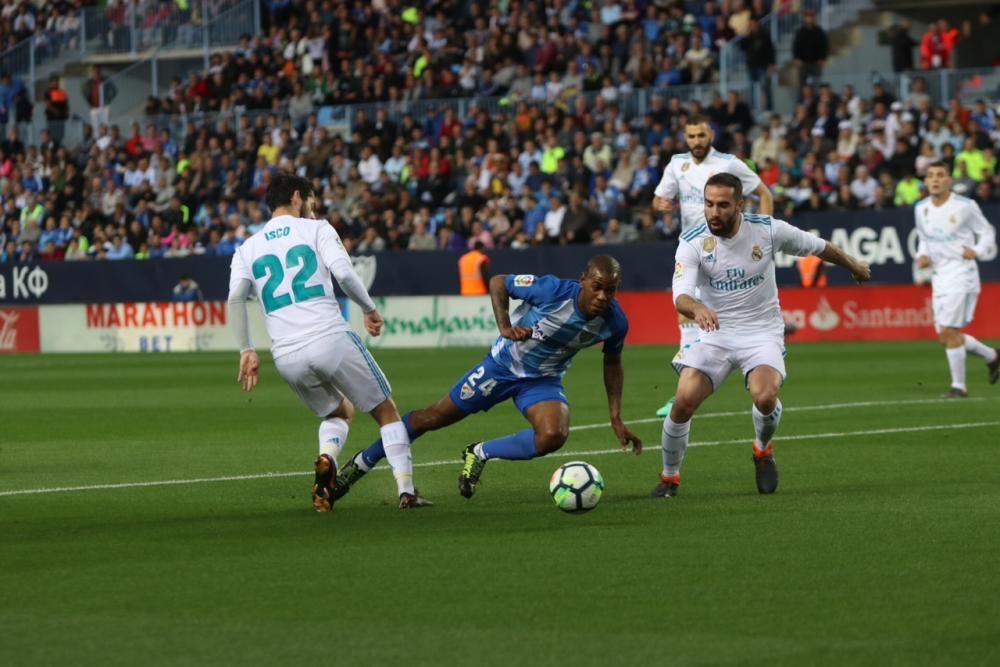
(878, 548)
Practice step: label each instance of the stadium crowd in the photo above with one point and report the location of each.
(563, 160)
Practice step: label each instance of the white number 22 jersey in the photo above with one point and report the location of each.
(289, 262)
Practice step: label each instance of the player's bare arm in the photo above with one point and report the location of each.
(501, 310)
(766, 199)
(860, 271)
(923, 261)
(695, 310)
(614, 380)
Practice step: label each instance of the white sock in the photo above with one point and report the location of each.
(979, 349)
(397, 451)
(333, 436)
(956, 362)
(674, 440)
(764, 426)
(689, 333)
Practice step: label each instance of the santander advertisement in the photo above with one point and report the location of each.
(827, 314)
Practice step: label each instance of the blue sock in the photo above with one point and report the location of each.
(517, 447)
(376, 452)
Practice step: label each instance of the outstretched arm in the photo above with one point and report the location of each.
(500, 298)
(860, 271)
(614, 380)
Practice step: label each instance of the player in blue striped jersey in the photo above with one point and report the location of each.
(556, 319)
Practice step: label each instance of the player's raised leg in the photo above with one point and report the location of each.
(548, 433)
(764, 382)
(693, 388)
(988, 354)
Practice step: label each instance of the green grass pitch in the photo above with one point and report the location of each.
(880, 547)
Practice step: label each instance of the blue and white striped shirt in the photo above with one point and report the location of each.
(559, 329)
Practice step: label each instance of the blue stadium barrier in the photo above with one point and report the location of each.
(884, 238)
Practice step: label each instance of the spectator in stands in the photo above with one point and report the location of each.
(99, 94)
(902, 47)
(863, 187)
(187, 289)
(810, 48)
(56, 108)
(760, 61)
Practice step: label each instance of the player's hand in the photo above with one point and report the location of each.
(706, 318)
(861, 272)
(626, 438)
(516, 333)
(374, 322)
(249, 374)
(969, 253)
(923, 262)
(662, 204)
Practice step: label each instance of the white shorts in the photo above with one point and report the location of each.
(329, 368)
(717, 356)
(954, 310)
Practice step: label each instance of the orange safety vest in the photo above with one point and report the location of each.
(811, 272)
(470, 273)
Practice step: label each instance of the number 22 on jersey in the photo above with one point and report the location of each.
(301, 256)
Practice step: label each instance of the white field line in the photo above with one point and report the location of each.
(791, 408)
(455, 462)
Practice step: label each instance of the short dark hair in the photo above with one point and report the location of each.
(697, 119)
(939, 164)
(283, 187)
(606, 264)
(727, 181)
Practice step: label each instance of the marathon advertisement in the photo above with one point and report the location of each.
(885, 239)
(144, 327)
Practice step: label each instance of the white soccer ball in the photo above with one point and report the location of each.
(576, 487)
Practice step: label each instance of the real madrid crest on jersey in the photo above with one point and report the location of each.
(708, 244)
(685, 166)
(952, 219)
(757, 254)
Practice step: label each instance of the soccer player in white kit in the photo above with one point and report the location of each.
(953, 234)
(684, 179)
(288, 263)
(731, 260)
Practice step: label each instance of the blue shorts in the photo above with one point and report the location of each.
(488, 384)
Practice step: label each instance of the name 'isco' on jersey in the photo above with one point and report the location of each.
(736, 275)
(558, 329)
(685, 180)
(944, 232)
(289, 261)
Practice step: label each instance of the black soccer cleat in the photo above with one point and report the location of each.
(348, 477)
(765, 470)
(667, 488)
(994, 368)
(413, 501)
(955, 392)
(325, 483)
(472, 468)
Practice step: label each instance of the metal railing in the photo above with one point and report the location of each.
(942, 86)
(141, 25)
(781, 25)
